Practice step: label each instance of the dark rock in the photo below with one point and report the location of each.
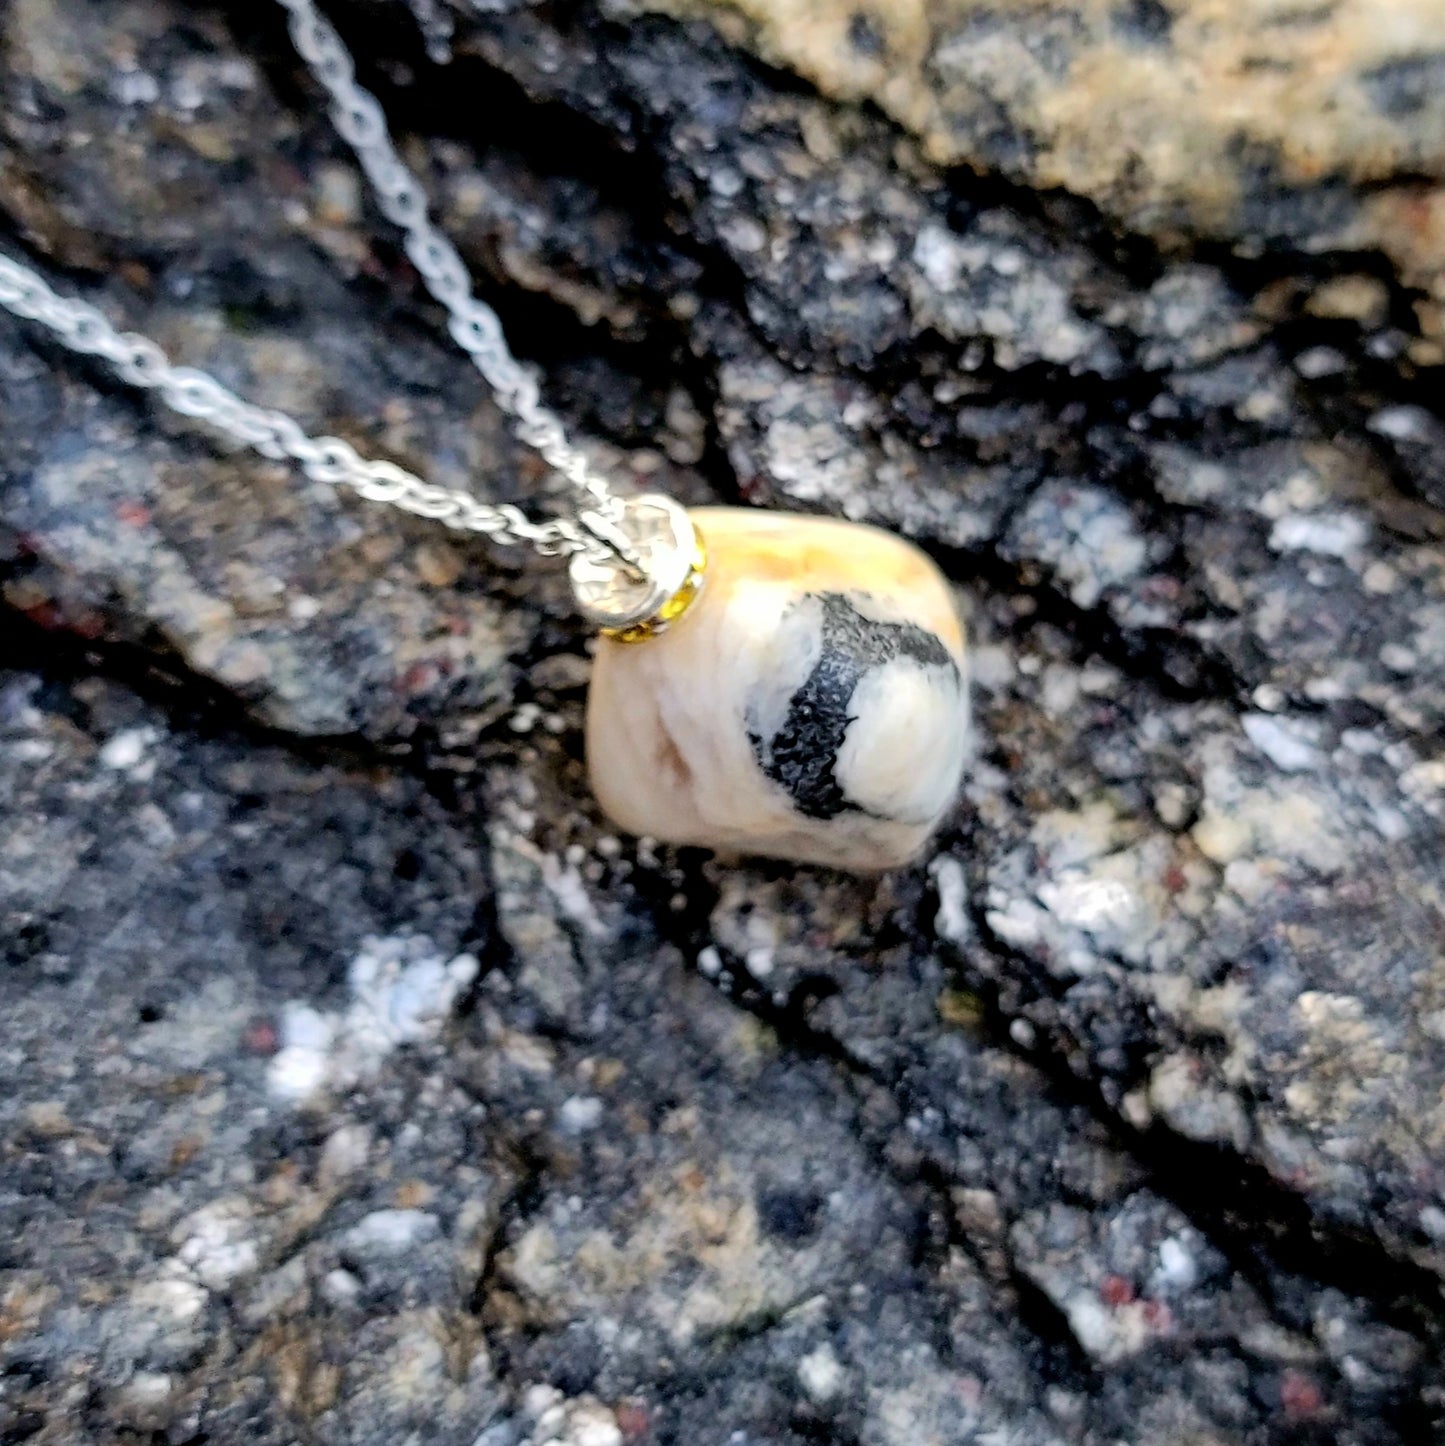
(360, 1085)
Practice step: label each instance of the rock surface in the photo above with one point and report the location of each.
(361, 1086)
(1257, 122)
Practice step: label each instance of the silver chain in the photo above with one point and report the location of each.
(473, 325)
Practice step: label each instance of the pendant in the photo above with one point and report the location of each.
(778, 685)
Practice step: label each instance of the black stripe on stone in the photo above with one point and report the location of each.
(802, 755)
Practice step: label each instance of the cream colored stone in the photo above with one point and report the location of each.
(812, 704)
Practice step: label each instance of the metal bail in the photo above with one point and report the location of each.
(632, 603)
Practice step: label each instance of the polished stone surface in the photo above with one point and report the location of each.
(812, 705)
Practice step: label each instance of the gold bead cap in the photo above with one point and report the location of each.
(674, 607)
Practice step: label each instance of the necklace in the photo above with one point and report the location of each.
(764, 682)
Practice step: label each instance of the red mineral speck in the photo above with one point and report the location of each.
(969, 1389)
(1299, 1395)
(260, 1037)
(133, 514)
(43, 615)
(632, 1420)
(1116, 1291)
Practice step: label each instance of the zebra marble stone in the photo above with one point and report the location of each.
(811, 705)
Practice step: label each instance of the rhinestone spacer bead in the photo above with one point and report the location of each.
(632, 604)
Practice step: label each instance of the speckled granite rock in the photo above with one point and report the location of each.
(1256, 123)
(360, 1086)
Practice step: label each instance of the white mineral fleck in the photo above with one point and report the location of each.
(1177, 1271)
(1022, 1033)
(1112, 1333)
(175, 1298)
(1330, 534)
(300, 1066)
(560, 1422)
(820, 1373)
(391, 1232)
(340, 1287)
(123, 751)
(218, 1243)
(344, 1153)
(1291, 744)
(952, 920)
(580, 1113)
(759, 962)
(402, 990)
(1402, 423)
(149, 1388)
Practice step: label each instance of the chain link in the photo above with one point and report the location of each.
(473, 325)
(139, 361)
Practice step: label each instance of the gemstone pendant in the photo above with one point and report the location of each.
(806, 701)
